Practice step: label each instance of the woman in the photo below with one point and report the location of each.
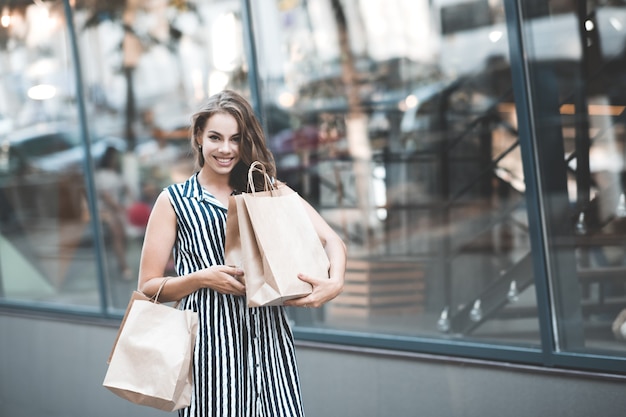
(244, 359)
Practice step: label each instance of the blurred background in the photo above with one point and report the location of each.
(469, 152)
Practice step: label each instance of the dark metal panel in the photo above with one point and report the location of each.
(545, 156)
(251, 56)
(88, 162)
(519, 75)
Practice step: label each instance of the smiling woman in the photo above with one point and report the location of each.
(189, 219)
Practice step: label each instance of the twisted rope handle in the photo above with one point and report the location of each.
(155, 297)
(268, 184)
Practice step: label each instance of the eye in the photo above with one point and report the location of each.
(214, 137)
(236, 139)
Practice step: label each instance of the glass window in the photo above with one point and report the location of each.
(576, 62)
(396, 119)
(46, 251)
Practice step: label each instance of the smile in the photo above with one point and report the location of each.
(224, 161)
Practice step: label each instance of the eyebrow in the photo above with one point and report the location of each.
(215, 132)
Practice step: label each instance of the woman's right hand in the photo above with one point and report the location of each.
(223, 279)
(157, 248)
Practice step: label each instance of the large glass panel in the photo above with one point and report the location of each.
(43, 224)
(577, 61)
(396, 120)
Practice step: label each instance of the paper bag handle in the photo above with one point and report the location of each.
(155, 297)
(259, 167)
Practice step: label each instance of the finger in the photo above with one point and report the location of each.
(236, 291)
(233, 270)
(239, 286)
(306, 278)
(299, 302)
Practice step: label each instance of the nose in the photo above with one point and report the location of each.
(225, 146)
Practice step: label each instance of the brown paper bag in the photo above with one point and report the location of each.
(271, 237)
(136, 295)
(151, 360)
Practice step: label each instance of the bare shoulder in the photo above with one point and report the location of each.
(163, 198)
(162, 211)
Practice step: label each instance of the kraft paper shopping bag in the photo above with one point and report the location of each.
(151, 360)
(271, 237)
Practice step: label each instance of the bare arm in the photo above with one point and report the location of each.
(157, 247)
(324, 289)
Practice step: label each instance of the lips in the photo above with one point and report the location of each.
(223, 161)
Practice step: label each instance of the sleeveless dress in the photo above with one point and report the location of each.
(244, 359)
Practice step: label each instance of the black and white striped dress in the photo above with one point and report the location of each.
(244, 360)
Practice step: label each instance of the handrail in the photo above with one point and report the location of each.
(490, 167)
(488, 113)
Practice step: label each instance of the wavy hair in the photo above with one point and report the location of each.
(252, 146)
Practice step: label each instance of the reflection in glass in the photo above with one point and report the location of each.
(396, 119)
(45, 241)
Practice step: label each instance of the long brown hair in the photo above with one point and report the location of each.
(252, 146)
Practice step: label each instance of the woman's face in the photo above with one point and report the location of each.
(220, 143)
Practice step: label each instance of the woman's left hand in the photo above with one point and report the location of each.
(324, 290)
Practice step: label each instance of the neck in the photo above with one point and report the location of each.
(216, 185)
(212, 181)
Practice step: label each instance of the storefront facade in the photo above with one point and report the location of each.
(470, 154)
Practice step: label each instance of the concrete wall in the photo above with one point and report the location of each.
(55, 369)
